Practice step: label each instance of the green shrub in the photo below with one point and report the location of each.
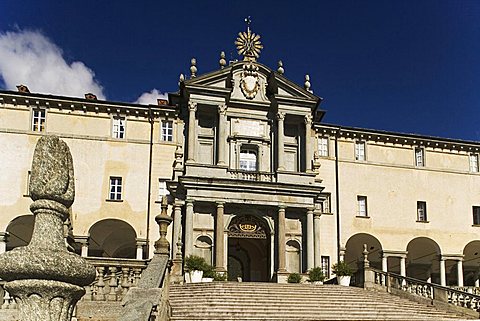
(194, 262)
(219, 277)
(316, 274)
(294, 278)
(342, 269)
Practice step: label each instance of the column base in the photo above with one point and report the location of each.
(282, 276)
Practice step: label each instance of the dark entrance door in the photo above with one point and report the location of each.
(248, 250)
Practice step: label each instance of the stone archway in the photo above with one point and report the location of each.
(112, 238)
(19, 231)
(248, 249)
(471, 264)
(354, 250)
(423, 259)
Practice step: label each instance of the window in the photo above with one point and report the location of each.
(167, 130)
(325, 265)
(419, 157)
(115, 188)
(360, 151)
(362, 206)
(38, 120)
(323, 146)
(421, 211)
(476, 215)
(248, 160)
(118, 129)
(474, 163)
(162, 188)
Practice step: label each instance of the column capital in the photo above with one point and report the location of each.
(220, 203)
(308, 119)
(82, 239)
(192, 106)
(310, 210)
(141, 241)
(189, 202)
(281, 115)
(282, 207)
(222, 109)
(387, 253)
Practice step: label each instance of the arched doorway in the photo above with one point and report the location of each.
(423, 259)
(20, 231)
(354, 250)
(248, 249)
(112, 238)
(471, 264)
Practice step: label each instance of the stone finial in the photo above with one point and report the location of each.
(193, 68)
(307, 85)
(163, 220)
(280, 69)
(366, 263)
(181, 79)
(222, 62)
(45, 278)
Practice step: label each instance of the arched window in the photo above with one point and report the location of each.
(248, 159)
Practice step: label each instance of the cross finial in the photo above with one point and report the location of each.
(248, 21)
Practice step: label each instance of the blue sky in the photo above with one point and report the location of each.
(407, 66)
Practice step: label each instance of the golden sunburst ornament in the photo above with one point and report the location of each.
(248, 44)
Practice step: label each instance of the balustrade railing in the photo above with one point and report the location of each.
(456, 297)
(252, 176)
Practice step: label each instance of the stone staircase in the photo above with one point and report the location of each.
(272, 301)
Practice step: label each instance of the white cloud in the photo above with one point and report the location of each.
(151, 97)
(30, 58)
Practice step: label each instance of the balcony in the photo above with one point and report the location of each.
(252, 176)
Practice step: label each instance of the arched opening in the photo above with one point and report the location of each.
(471, 264)
(20, 231)
(203, 248)
(112, 238)
(248, 249)
(354, 250)
(294, 262)
(423, 259)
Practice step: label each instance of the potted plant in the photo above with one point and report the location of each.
(315, 275)
(208, 273)
(294, 278)
(343, 272)
(195, 265)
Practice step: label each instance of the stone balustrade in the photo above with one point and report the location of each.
(252, 176)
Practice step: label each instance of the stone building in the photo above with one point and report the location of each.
(258, 184)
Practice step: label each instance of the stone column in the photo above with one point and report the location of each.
(177, 227)
(192, 132)
(219, 239)
(460, 272)
(189, 228)
(443, 278)
(140, 244)
(3, 241)
(316, 224)
(83, 240)
(281, 240)
(222, 142)
(280, 140)
(308, 143)
(384, 263)
(403, 269)
(341, 254)
(310, 240)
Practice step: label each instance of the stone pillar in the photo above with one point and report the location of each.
(192, 132)
(140, 243)
(222, 142)
(310, 240)
(281, 140)
(189, 228)
(219, 239)
(281, 240)
(403, 269)
(384, 263)
(308, 143)
(83, 240)
(316, 224)
(3, 242)
(443, 278)
(177, 227)
(460, 272)
(341, 254)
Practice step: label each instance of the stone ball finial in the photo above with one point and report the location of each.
(193, 68)
(222, 62)
(280, 69)
(307, 84)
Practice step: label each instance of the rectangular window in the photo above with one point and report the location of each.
(167, 130)
(474, 163)
(325, 264)
(362, 206)
(115, 188)
(248, 160)
(38, 120)
(421, 211)
(360, 151)
(476, 215)
(118, 127)
(162, 188)
(419, 157)
(323, 146)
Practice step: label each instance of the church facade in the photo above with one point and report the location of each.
(258, 185)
